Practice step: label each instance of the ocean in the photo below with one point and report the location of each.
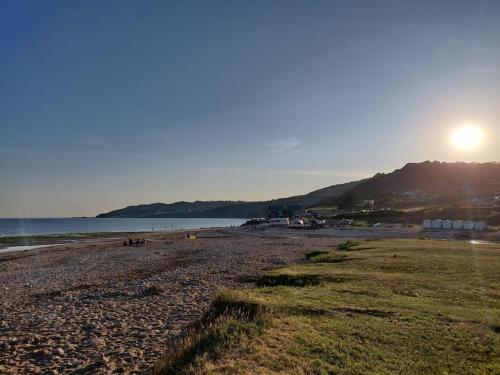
(25, 227)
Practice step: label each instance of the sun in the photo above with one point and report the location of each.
(467, 137)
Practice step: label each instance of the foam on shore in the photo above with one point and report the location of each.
(11, 249)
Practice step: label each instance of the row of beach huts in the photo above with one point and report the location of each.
(454, 224)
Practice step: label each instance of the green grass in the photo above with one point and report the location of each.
(398, 306)
(322, 208)
(316, 253)
(348, 245)
(227, 326)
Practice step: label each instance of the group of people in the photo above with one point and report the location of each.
(137, 242)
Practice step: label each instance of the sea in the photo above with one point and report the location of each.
(29, 227)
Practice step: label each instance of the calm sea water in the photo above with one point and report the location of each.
(20, 227)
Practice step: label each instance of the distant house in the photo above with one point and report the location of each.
(367, 203)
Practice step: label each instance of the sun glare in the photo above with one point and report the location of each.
(467, 137)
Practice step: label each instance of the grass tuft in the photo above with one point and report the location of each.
(228, 321)
(316, 253)
(347, 246)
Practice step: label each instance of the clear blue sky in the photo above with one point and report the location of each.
(109, 103)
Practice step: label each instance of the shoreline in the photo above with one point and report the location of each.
(13, 229)
(38, 242)
(66, 239)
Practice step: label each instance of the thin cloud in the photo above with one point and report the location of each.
(489, 70)
(284, 145)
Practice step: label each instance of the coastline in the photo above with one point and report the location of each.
(65, 239)
(75, 227)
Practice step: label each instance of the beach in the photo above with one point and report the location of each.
(102, 307)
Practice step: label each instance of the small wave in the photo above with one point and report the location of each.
(11, 249)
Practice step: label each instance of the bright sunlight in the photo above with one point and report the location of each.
(468, 137)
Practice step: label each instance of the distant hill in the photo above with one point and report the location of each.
(225, 209)
(427, 184)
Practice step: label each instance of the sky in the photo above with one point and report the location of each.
(105, 104)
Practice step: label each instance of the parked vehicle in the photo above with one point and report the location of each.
(316, 223)
(279, 221)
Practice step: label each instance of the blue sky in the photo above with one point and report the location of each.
(106, 104)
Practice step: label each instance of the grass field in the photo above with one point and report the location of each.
(388, 306)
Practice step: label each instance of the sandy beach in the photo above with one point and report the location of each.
(105, 308)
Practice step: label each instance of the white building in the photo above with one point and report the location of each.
(454, 224)
(447, 224)
(427, 224)
(368, 202)
(458, 224)
(479, 225)
(468, 225)
(437, 224)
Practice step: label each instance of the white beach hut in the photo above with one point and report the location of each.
(447, 224)
(479, 225)
(427, 224)
(468, 225)
(458, 224)
(437, 224)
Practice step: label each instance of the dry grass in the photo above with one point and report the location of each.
(398, 306)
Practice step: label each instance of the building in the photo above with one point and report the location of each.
(437, 224)
(468, 225)
(480, 225)
(454, 224)
(458, 224)
(367, 203)
(447, 224)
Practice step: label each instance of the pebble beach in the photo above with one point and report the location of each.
(107, 308)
